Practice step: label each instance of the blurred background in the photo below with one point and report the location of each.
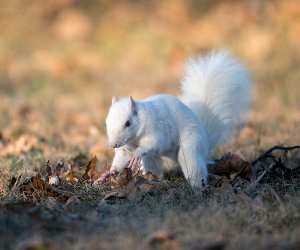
(61, 61)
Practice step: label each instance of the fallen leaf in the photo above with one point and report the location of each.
(70, 175)
(38, 183)
(90, 170)
(34, 188)
(145, 185)
(72, 200)
(131, 183)
(163, 240)
(115, 195)
(122, 179)
(232, 164)
(54, 180)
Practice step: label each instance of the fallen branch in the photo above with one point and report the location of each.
(268, 153)
(265, 155)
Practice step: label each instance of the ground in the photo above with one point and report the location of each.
(57, 76)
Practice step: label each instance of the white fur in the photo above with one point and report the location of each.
(167, 130)
(121, 159)
(217, 88)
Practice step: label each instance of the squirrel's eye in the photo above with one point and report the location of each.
(127, 124)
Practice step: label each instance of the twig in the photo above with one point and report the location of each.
(253, 185)
(268, 153)
(239, 174)
(279, 200)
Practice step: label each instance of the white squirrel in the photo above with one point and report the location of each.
(165, 131)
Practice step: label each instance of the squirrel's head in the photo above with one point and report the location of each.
(122, 121)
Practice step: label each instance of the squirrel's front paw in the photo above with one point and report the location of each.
(105, 176)
(135, 159)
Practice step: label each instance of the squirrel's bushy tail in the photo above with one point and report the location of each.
(218, 89)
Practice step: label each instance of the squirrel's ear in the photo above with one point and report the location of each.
(114, 99)
(132, 103)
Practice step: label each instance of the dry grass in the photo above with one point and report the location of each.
(60, 63)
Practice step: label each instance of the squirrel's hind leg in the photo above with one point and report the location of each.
(151, 164)
(192, 161)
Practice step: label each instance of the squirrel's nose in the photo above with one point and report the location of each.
(114, 145)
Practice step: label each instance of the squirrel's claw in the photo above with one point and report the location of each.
(114, 173)
(135, 159)
(104, 177)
